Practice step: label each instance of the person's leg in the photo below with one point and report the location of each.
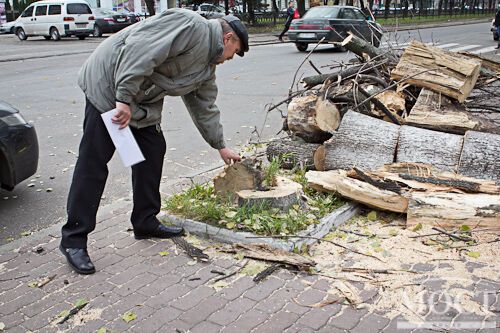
(498, 33)
(287, 26)
(89, 179)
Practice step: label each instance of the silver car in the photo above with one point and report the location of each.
(8, 27)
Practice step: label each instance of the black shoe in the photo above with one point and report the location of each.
(281, 39)
(161, 232)
(498, 47)
(78, 259)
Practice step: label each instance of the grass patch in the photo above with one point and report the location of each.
(430, 19)
(200, 203)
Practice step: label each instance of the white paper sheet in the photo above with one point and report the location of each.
(124, 141)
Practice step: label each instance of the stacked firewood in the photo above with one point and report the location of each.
(414, 131)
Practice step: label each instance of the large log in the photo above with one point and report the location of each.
(312, 118)
(442, 150)
(480, 156)
(337, 181)
(361, 141)
(437, 112)
(366, 50)
(286, 193)
(294, 152)
(454, 209)
(430, 67)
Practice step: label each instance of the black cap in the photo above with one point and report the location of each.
(240, 30)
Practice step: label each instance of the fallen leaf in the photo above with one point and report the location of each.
(9, 239)
(464, 228)
(230, 225)
(192, 263)
(25, 233)
(2, 326)
(81, 302)
(372, 216)
(63, 313)
(101, 330)
(230, 214)
(163, 253)
(33, 284)
(473, 254)
(129, 316)
(417, 227)
(253, 268)
(316, 305)
(220, 285)
(239, 256)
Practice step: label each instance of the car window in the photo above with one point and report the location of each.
(41, 10)
(28, 12)
(205, 8)
(359, 15)
(78, 8)
(325, 12)
(54, 9)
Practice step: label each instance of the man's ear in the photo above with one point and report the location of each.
(228, 35)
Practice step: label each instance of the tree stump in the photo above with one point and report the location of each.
(294, 152)
(480, 156)
(286, 193)
(442, 150)
(244, 175)
(361, 141)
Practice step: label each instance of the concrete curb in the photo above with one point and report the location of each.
(334, 219)
(390, 28)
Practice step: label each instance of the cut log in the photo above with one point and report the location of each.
(393, 101)
(361, 141)
(319, 158)
(312, 81)
(489, 64)
(451, 210)
(285, 194)
(416, 169)
(337, 181)
(442, 150)
(366, 50)
(437, 112)
(312, 118)
(245, 175)
(294, 152)
(430, 67)
(480, 156)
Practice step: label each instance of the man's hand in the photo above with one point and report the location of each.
(122, 115)
(229, 156)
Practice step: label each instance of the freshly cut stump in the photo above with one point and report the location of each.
(245, 175)
(481, 156)
(286, 193)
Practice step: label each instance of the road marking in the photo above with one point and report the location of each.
(446, 45)
(484, 50)
(465, 47)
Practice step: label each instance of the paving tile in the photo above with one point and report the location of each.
(310, 296)
(206, 327)
(138, 282)
(193, 297)
(236, 288)
(348, 318)
(277, 300)
(263, 289)
(279, 322)
(246, 322)
(157, 319)
(370, 323)
(232, 311)
(317, 318)
(204, 309)
(397, 325)
(159, 285)
(167, 296)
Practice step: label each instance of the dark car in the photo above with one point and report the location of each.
(109, 21)
(18, 147)
(333, 23)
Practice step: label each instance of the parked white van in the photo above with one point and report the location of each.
(54, 19)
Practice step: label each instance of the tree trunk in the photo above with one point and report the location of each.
(441, 150)
(312, 81)
(480, 156)
(452, 210)
(150, 5)
(336, 181)
(387, 5)
(361, 141)
(294, 152)
(436, 112)
(430, 67)
(285, 194)
(363, 48)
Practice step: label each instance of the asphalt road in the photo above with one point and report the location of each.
(43, 86)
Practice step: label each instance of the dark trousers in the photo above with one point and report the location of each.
(287, 26)
(91, 172)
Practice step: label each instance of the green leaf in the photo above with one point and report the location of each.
(101, 330)
(33, 284)
(464, 228)
(372, 216)
(393, 232)
(129, 316)
(239, 256)
(230, 225)
(163, 253)
(81, 302)
(63, 313)
(220, 285)
(25, 233)
(9, 239)
(473, 254)
(253, 268)
(230, 214)
(417, 227)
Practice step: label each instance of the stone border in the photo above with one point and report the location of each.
(336, 218)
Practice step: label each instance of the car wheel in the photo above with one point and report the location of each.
(302, 47)
(47, 37)
(12, 30)
(97, 31)
(21, 34)
(81, 37)
(54, 34)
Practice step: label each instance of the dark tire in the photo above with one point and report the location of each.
(81, 37)
(47, 37)
(54, 34)
(97, 31)
(302, 47)
(21, 34)
(12, 31)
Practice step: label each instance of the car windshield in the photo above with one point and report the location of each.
(322, 12)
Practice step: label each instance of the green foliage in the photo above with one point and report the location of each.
(272, 170)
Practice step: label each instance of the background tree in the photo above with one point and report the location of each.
(387, 5)
(150, 4)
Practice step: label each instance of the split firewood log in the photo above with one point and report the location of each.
(442, 150)
(449, 73)
(365, 50)
(244, 175)
(454, 209)
(337, 181)
(293, 151)
(480, 156)
(283, 195)
(313, 118)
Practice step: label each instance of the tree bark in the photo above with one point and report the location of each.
(294, 152)
(245, 175)
(361, 141)
(362, 48)
(312, 81)
(150, 4)
(441, 150)
(480, 156)
(285, 194)
(430, 67)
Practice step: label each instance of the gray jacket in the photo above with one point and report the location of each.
(170, 54)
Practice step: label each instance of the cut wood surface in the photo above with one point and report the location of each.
(361, 141)
(411, 168)
(243, 175)
(451, 210)
(337, 181)
(365, 50)
(449, 73)
(312, 118)
(489, 64)
(294, 152)
(442, 150)
(285, 194)
(268, 253)
(481, 156)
